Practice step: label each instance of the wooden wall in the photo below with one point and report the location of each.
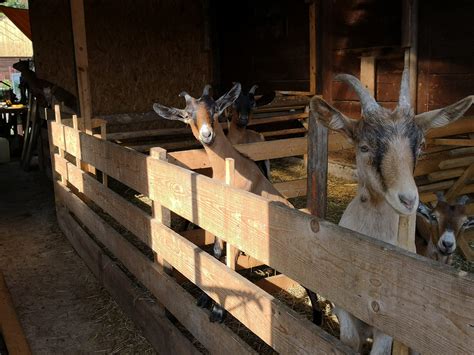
(139, 52)
(446, 54)
(264, 42)
(446, 66)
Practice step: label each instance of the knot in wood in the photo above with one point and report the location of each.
(375, 306)
(314, 224)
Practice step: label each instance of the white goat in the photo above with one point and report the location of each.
(387, 145)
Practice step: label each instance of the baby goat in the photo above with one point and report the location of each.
(438, 229)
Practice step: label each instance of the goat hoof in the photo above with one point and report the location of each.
(204, 301)
(217, 314)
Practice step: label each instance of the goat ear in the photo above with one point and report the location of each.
(332, 118)
(265, 99)
(228, 99)
(443, 116)
(171, 113)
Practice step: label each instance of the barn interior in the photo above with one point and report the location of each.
(119, 58)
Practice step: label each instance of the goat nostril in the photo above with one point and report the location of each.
(447, 244)
(206, 134)
(407, 201)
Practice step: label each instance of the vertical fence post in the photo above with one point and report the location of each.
(62, 153)
(103, 135)
(231, 252)
(160, 213)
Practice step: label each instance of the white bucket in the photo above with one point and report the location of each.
(4, 150)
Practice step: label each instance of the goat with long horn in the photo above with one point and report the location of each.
(387, 145)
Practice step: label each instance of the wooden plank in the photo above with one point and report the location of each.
(290, 189)
(148, 316)
(317, 168)
(459, 142)
(231, 252)
(197, 159)
(277, 283)
(312, 49)
(444, 174)
(273, 322)
(463, 125)
(367, 73)
(10, 327)
(215, 337)
(459, 184)
(430, 196)
(330, 253)
(456, 163)
(260, 121)
(82, 62)
(437, 186)
(160, 132)
(284, 132)
(186, 144)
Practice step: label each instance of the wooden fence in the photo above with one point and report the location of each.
(428, 306)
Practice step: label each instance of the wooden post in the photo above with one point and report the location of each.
(160, 213)
(406, 240)
(26, 133)
(317, 160)
(317, 167)
(62, 153)
(367, 73)
(407, 224)
(231, 252)
(82, 64)
(103, 135)
(312, 49)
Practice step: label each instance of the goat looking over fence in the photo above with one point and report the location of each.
(388, 144)
(240, 114)
(202, 115)
(438, 229)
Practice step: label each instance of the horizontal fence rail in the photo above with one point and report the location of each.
(428, 306)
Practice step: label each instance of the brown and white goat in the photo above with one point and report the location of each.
(438, 229)
(387, 145)
(202, 116)
(240, 114)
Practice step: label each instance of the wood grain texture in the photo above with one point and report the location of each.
(215, 337)
(352, 270)
(273, 322)
(148, 316)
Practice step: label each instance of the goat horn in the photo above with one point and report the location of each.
(404, 100)
(440, 196)
(367, 102)
(187, 97)
(252, 89)
(205, 91)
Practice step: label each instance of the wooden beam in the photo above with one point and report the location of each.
(277, 283)
(82, 62)
(10, 327)
(457, 186)
(274, 323)
(290, 189)
(317, 168)
(232, 253)
(368, 73)
(450, 141)
(260, 229)
(312, 49)
(147, 315)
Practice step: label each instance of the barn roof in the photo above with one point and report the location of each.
(20, 17)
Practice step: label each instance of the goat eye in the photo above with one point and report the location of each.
(364, 148)
(433, 216)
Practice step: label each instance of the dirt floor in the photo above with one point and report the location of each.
(61, 306)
